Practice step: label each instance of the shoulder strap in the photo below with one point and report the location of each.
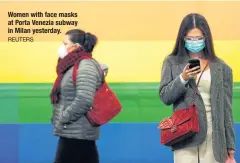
(75, 69)
(195, 92)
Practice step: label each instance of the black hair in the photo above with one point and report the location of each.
(190, 22)
(86, 40)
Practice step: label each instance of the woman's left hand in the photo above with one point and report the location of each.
(231, 153)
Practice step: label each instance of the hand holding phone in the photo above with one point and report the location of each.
(191, 69)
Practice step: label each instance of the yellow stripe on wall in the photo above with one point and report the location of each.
(133, 61)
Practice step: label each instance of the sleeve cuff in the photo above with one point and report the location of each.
(231, 146)
(182, 80)
(231, 149)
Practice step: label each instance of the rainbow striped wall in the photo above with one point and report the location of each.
(134, 39)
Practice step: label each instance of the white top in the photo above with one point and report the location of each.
(204, 88)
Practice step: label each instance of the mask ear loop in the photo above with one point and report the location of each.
(73, 47)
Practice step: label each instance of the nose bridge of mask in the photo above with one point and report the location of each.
(194, 38)
(195, 42)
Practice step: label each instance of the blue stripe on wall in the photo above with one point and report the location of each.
(119, 143)
(9, 138)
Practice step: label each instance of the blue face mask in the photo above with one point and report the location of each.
(195, 45)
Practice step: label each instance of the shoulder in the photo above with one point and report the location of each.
(224, 65)
(86, 62)
(87, 67)
(171, 60)
(226, 70)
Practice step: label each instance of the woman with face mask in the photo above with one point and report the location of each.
(71, 102)
(215, 141)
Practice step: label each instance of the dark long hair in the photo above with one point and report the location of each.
(190, 22)
(85, 39)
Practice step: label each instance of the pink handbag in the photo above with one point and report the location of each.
(229, 160)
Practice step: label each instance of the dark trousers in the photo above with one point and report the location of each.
(76, 151)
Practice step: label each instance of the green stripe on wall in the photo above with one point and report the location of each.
(9, 102)
(29, 103)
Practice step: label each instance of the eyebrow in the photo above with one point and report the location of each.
(194, 38)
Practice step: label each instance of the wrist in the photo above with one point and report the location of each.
(184, 81)
(183, 77)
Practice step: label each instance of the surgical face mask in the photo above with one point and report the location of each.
(62, 51)
(195, 45)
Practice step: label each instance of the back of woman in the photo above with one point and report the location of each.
(71, 102)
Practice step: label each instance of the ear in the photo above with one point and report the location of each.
(73, 47)
(77, 45)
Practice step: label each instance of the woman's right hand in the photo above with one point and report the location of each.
(190, 73)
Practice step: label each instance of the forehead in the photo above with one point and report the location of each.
(195, 32)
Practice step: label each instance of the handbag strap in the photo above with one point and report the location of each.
(195, 92)
(198, 154)
(75, 69)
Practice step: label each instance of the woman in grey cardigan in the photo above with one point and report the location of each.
(77, 136)
(216, 139)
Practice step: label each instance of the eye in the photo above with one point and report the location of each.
(188, 38)
(201, 38)
(194, 38)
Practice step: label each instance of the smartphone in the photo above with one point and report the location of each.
(194, 63)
